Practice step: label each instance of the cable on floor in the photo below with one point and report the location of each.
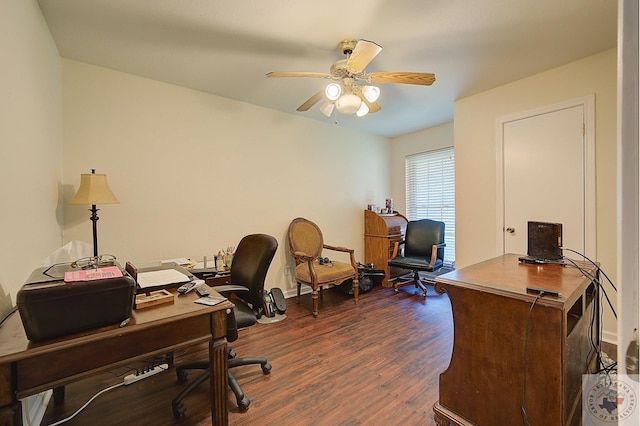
(87, 403)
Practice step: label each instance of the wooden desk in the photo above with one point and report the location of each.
(27, 368)
(484, 383)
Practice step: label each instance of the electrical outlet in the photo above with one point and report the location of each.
(287, 271)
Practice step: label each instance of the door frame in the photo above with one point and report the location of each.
(589, 164)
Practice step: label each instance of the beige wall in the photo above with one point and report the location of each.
(475, 146)
(437, 137)
(196, 172)
(30, 145)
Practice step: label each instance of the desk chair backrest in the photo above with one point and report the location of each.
(421, 235)
(250, 265)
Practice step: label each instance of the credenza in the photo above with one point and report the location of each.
(380, 234)
(490, 379)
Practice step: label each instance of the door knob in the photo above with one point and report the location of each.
(511, 229)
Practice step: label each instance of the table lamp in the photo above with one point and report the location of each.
(94, 190)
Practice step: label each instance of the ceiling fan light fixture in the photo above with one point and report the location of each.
(348, 103)
(327, 108)
(333, 91)
(363, 110)
(371, 93)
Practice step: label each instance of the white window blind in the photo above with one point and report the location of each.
(430, 192)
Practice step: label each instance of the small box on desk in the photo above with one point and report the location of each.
(50, 307)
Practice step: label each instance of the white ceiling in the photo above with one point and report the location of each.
(227, 47)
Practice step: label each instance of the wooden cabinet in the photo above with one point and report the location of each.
(494, 320)
(380, 234)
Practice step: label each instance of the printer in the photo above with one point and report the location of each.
(51, 307)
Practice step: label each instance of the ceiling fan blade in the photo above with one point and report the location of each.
(298, 74)
(373, 106)
(362, 54)
(311, 101)
(422, 78)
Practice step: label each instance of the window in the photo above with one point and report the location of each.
(430, 189)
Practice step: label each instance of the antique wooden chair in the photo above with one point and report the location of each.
(423, 252)
(306, 245)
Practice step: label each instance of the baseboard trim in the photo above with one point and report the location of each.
(610, 337)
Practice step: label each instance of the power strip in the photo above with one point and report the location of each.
(132, 378)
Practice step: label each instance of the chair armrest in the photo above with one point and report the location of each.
(434, 253)
(396, 249)
(344, 250)
(337, 248)
(301, 256)
(229, 287)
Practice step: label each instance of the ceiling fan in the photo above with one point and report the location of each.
(351, 90)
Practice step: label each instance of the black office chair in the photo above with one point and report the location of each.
(423, 252)
(251, 262)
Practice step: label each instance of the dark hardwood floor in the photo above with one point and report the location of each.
(376, 362)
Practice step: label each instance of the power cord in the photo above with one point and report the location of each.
(594, 279)
(127, 380)
(590, 261)
(86, 404)
(602, 368)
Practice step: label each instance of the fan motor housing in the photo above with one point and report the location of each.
(347, 45)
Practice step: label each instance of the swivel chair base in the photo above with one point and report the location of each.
(243, 402)
(414, 279)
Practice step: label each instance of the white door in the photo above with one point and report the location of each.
(545, 177)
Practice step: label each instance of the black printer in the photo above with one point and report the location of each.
(51, 307)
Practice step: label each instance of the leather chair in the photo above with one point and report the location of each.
(251, 262)
(306, 245)
(423, 252)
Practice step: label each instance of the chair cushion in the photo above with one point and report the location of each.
(334, 272)
(245, 316)
(415, 263)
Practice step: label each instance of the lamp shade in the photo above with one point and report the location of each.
(363, 110)
(348, 103)
(94, 190)
(327, 108)
(333, 91)
(371, 93)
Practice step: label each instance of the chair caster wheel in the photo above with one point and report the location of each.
(243, 404)
(182, 376)
(178, 410)
(266, 368)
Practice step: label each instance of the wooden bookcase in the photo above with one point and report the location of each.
(380, 234)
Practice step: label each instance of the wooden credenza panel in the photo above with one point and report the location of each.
(380, 234)
(484, 383)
